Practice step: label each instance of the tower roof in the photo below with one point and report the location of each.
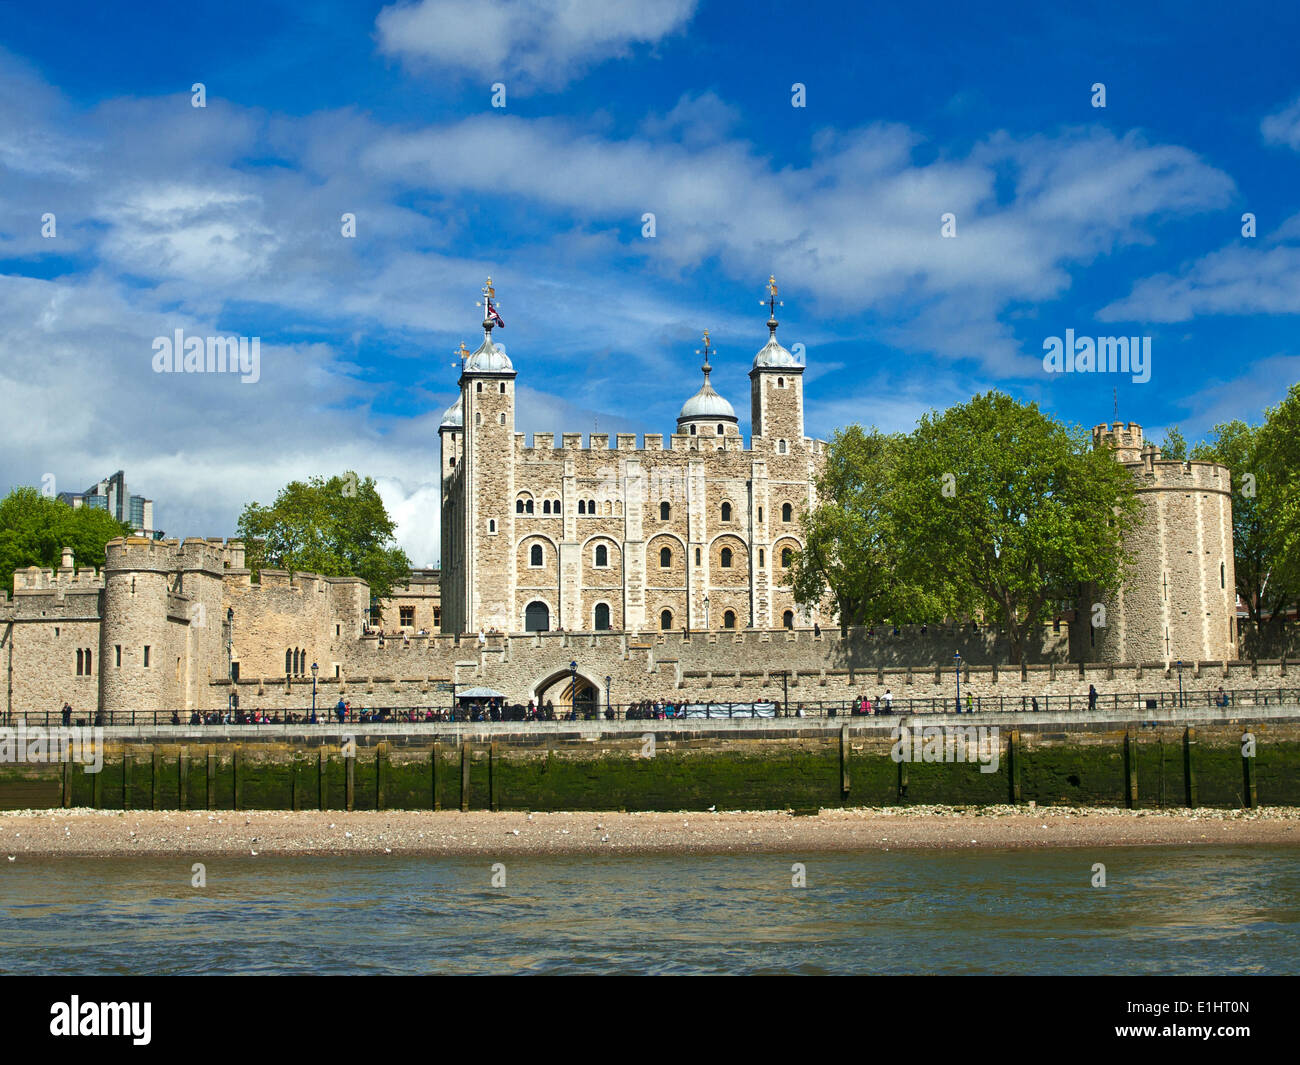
(706, 404)
(773, 355)
(453, 417)
(489, 357)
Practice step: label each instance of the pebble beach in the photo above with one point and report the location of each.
(88, 833)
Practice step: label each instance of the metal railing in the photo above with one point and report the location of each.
(694, 709)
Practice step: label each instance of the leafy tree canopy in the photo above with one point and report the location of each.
(35, 528)
(337, 527)
(1006, 512)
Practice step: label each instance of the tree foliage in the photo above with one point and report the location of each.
(1006, 512)
(1265, 508)
(34, 529)
(337, 527)
(852, 547)
(1174, 445)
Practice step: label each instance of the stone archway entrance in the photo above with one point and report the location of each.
(565, 695)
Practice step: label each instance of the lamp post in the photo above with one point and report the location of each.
(706, 612)
(785, 692)
(573, 690)
(314, 669)
(609, 711)
(1180, 682)
(956, 658)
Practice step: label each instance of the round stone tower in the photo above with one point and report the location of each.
(1178, 600)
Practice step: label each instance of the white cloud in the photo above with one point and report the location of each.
(1283, 127)
(529, 42)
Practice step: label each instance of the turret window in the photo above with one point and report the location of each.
(729, 619)
(665, 511)
(666, 620)
(535, 555)
(665, 557)
(602, 555)
(726, 558)
(787, 512)
(780, 382)
(726, 511)
(780, 447)
(480, 386)
(720, 429)
(787, 557)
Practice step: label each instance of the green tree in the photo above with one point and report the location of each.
(1174, 445)
(851, 547)
(34, 529)
(337, 527)
(1279, 457)
(1006, 512)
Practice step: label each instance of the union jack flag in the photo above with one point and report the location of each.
(492, 313)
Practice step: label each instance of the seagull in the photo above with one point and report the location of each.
(13, 857)
(713, 809)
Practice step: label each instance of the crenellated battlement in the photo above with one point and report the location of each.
(67, 578)
(138, 553)
(1124, 438)
(544, 448)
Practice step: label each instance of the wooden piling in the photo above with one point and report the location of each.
(1189, 768)
(212, 779)
(67, 783)
(126, 777)
(1249, 795)
(155, 777)
(235, 759)
(435, 758)
(183, 778)
(1130, 771)
(380, 760)
(97, 787)
(844, 762)
(350, 785)
(492, 775)
(464, 777)
(1013, 766)
(902, 780)
(322, 782)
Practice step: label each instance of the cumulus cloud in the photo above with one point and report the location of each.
(1283, 126)
(533, 42)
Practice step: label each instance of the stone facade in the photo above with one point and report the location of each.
(695, 532)
(1178, 598)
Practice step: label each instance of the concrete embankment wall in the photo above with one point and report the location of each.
(1103, 759)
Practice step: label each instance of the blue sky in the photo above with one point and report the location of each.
(226, 219)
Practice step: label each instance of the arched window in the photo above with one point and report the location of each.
(719, 428)
(88, 669)
(666, 620)
(726, 511)
(546, 506)
(780, 382)
(602, 555)
(528, 506)
(288, 662)
(729, 619)
(535, 555)
(780, 447)
(692, 430)
(537, 618)
(582, 506)
(480, 386)
(78, 662)
(761, 558)
(787, 619)
(503, 388)
(591, 506)
(602, 616)
(787, 557)
(519, 506)
(492, 525)
(555, 506)
(787, 512)
(665, 511)
(665, 557)
(478, 418)
(726, 558)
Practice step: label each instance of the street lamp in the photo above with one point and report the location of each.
(314, 669)
(706, 612)
(609, 711)
(573, 690)
(956, 657)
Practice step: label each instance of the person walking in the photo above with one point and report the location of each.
(67, 713)
(1092, 697)
(889, 702)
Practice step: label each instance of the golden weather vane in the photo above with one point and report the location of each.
(772, 302)
(708, 347)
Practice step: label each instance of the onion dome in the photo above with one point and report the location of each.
(706, 404)
(453, 417)
(772, 355)
(489, 357)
